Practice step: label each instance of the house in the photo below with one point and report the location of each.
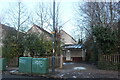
(66, 38)
(74, 52)
(41, 32)
(71, 50)
(4, 30)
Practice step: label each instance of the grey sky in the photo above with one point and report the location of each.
(66, 9)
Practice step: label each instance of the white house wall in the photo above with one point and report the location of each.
(76, 53)
(36, 30)
(66, 39)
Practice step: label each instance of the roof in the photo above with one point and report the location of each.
(41, 29)
(69, 35)
(50, 33)
(7, 28)
(74, 46)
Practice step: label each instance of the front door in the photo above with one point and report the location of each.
(68, 56)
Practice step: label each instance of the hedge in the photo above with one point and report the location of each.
(106, 65)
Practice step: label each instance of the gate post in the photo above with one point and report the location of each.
(61, 61)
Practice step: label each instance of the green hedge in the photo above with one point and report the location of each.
(108, 65)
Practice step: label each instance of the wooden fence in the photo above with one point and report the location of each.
(14, 61)
(57, 61)
(115, 58)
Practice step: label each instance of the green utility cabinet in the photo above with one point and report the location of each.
(25, 64)
(40, 65)
(3, 64)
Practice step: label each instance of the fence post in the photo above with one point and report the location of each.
(61, 61)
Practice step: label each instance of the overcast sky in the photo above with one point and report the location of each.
(67, 8)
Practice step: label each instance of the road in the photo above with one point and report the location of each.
(84, 70)
(14, 77)
(72, 70)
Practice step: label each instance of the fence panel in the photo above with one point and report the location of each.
(115, 58)
(57, 61)
(13, 62)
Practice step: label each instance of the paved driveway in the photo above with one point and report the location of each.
(76, 70)
(82, 70)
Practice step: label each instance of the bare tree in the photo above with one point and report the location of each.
(18, 16)
(2, 18)
(44, 18)
(58, 26)
(97, 14)
(58, 22)
(42, 14)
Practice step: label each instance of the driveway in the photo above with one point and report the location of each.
(83, 70)
(7, 76)
(72, 70)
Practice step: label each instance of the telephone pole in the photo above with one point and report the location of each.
(53, 33)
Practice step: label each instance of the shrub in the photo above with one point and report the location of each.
(11, 46)
(108, 65)
(106, 39)
(37, 46)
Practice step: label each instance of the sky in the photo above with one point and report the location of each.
(65, 6)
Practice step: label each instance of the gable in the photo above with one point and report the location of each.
(66, 38)
(4, 30)
(40, 31)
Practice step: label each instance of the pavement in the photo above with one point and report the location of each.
(71, 70)
(83, 70)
